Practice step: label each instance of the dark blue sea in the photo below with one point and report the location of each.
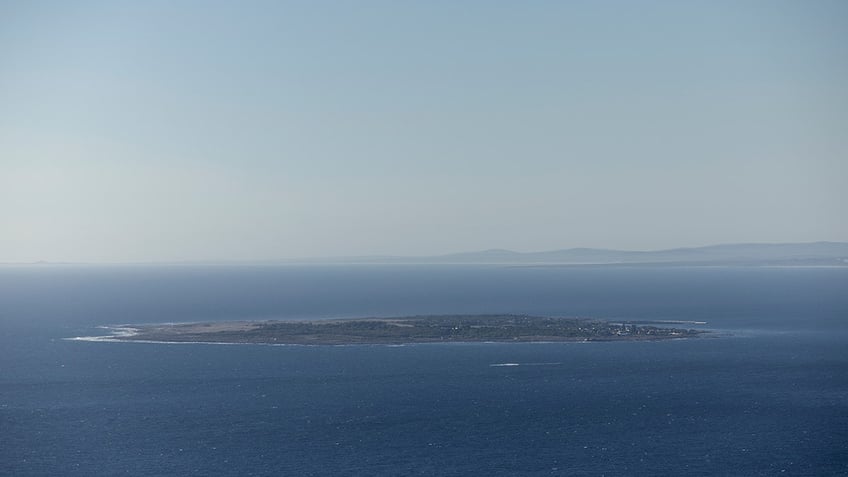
(765, 394)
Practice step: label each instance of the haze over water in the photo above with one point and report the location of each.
(163, 131)
(268, 132)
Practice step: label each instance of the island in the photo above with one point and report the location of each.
(400, 330)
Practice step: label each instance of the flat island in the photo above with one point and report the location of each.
(400, 330)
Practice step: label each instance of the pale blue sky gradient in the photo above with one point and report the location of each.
(143, 131)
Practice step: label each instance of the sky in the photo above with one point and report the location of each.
(178, 131)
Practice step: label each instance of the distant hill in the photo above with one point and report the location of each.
(754, 254)
(825, 254)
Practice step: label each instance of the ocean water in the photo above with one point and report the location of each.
(766, 394)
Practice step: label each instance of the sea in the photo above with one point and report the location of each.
(765, 393)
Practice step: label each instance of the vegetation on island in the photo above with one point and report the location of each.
(401, 330)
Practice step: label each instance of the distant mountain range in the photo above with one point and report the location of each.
(825, 254)
(753, 254)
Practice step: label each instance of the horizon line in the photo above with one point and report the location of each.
(330, 258)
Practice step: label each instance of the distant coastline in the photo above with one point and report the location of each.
(398, 330)
(792, 255)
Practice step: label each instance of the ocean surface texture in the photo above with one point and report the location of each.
(766, 394)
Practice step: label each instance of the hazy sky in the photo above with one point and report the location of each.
(135, 131)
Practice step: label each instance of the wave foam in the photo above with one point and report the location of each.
(115, 332)
(497, 365)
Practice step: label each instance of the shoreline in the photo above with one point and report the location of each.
(398, 331)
